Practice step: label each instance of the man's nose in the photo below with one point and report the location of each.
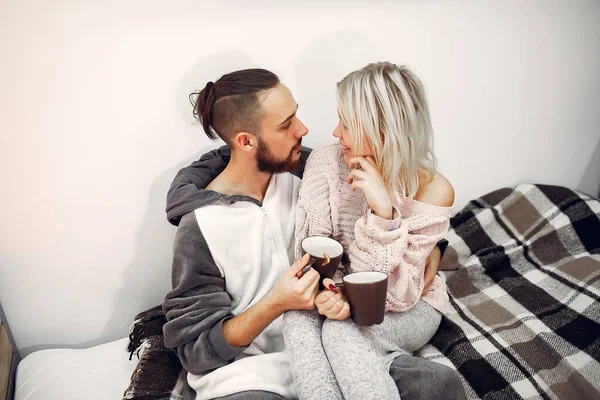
(303, 129)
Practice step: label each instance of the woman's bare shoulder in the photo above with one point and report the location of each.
(438, 191)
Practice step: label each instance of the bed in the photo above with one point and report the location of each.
(96, 373)
(523, 273)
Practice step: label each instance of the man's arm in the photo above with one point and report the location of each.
(182, 197)
(442, 245)
(200, 325)
(432, 264)
(289, 293)
(243, 329)
(198, 305)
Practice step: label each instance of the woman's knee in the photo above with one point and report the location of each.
(450, 382)
(418, 378)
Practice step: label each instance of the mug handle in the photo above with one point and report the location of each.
(337, 285)
(308, 266)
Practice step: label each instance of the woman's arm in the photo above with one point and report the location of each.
(313, 218)
(313, 210)
(383, 241)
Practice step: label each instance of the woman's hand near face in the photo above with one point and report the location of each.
(371, 183)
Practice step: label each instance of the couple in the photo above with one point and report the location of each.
(376, 191)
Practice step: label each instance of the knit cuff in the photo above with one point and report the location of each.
(383, 224)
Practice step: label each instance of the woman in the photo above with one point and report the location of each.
(378, 193)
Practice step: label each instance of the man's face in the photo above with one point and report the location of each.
(279, 143)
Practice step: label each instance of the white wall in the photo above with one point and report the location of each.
(590, 181)
(95, 121)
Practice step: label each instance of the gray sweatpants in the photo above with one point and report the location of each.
(341, 360)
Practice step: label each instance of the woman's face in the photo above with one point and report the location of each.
(343, 134)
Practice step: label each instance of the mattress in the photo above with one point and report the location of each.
(97, 373)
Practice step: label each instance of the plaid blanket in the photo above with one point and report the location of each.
(525, 319)
(159, 374)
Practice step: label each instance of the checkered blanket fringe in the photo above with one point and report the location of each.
(525, 318)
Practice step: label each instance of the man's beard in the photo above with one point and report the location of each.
(266, 161)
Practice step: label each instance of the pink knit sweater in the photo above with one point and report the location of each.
(328, 207)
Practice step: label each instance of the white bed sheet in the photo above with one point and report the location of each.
(97, 373)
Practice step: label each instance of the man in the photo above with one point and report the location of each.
(232, 278)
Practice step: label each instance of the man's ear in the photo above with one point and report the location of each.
(245, 141)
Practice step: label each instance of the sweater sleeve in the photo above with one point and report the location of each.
(389, 246)
(313, 210)
(198, 304)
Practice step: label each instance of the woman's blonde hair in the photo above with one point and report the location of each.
(384, 105)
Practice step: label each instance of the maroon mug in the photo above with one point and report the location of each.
(366, 292)
(325, 255)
